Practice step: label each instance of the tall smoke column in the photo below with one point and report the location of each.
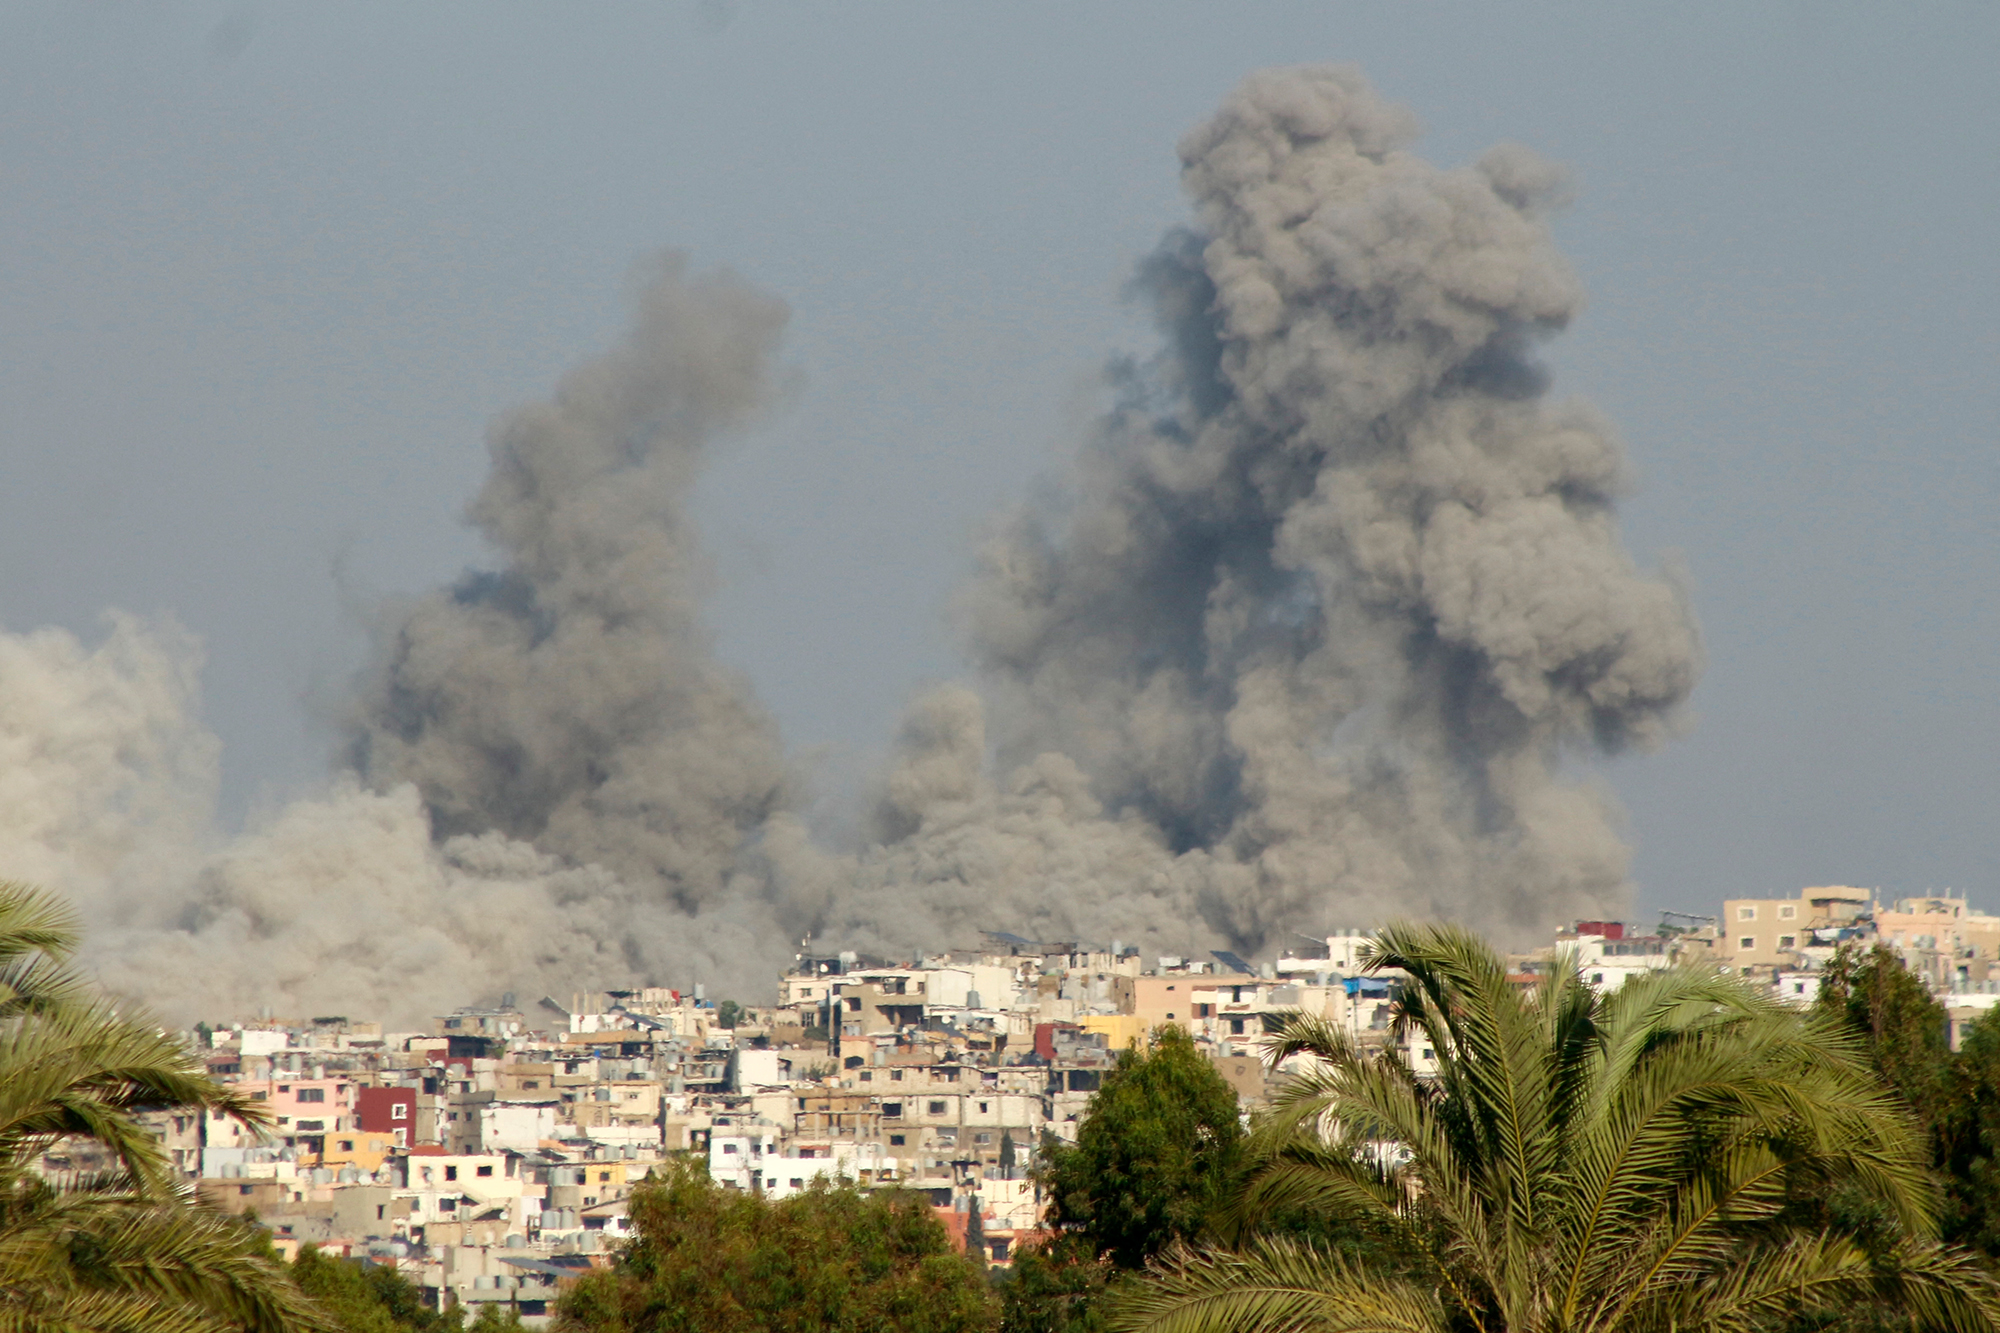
(571, 699)
(1335, 589)
(554, 781)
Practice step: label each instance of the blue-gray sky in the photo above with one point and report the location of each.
(266, 271)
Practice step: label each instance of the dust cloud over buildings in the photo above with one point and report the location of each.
(1311, 632)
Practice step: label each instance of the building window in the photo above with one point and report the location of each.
(892, 1110)
(895, 1140)
(1746, 914)
(937, 1108)
(447, 1205)
(1747, 942)
(728, 1149)
(1235, 1027)
(1788, 941)
(399, 1111)
(982, 1108)
(895, 1076)
(312, 1094)
(451, 1173)
(797, 1183)
(1787, 913)
(347, 1145)
(604, 1175)
(982, 1138)
(867, 1077)
(485, 1171)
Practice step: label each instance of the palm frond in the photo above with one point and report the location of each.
(1273, 1286)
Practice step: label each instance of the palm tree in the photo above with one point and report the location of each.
(1681, 1154)
(128, 1249)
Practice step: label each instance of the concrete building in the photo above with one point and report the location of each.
(1768, 933)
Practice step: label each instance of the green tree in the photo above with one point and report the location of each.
(368, 1298)
(1873, 997)
(1155, 1156)
(129, 1248)
(709, 1260)
(1969, 1137)
(494, 1319)
(1056, 1287)
(1650, 1159)
(1878, 1001)
(729, 1013)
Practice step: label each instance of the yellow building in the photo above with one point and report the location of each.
(1120, 1030)
(1769, 932)
(357, 1148)
(1161, 999)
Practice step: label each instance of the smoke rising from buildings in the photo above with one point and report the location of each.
(1331, 601)
(571, 698)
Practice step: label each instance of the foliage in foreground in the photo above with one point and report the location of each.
(372, 1298)
(1057, 1287)
(1154, 1158)
(129, 1249)
(1660, 1158)
(705, 1259)
(1955, 1095)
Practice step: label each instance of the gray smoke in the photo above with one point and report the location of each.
(1335, 591)
(1323, 626)
(552, 784)
(571, 698)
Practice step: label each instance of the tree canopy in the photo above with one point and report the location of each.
(1155, 1155)
(706, 1259)
(369, 1298)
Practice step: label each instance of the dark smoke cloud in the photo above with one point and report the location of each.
(571, 698)
(1336, 589)
(1316, 631)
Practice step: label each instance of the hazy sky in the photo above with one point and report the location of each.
(266, 271)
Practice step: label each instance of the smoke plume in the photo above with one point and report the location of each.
(1319, 628)
(571, 698)
(1336, 589)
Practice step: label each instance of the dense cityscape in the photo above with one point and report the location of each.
(491, 1156)
(1079, 718)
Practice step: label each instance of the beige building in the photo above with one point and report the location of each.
(1943, 940)
(1769, 932)
(1161, 999)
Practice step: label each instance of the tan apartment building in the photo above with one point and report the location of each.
(1942, 939)
(1769, 932)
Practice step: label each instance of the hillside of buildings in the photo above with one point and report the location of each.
(491, 1156)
